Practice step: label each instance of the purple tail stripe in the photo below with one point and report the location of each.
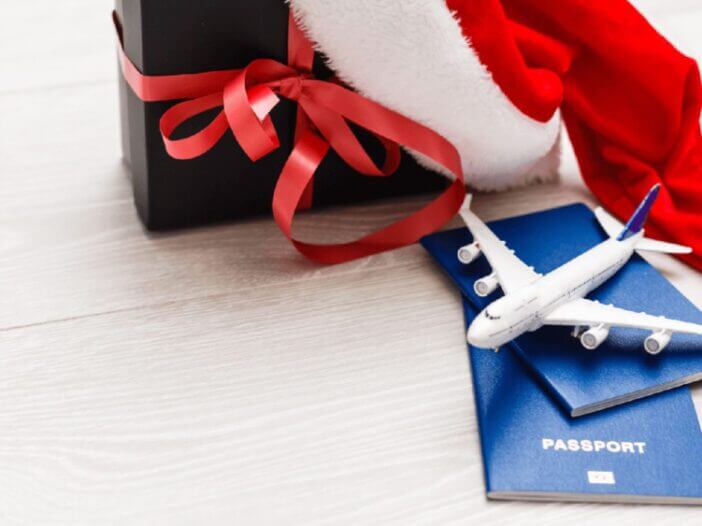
(637, 220)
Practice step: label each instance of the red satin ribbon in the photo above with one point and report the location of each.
(248, 95)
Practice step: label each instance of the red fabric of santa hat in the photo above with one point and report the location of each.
(495, 76)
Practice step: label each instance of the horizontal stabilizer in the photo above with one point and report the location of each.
(651, 245)
(608, 222)
(613, 226)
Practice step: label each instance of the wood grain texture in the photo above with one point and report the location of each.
(205, 377)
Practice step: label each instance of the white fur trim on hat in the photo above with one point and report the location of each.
(411, 56)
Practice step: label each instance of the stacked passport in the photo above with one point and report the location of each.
(558, 422)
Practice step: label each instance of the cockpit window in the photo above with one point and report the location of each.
(490, 317)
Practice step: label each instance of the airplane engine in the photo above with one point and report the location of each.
(656, 342)
(469, 253)
(486, 286)
(593, 338)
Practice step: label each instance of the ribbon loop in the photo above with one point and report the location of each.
(200, 142)
(247, 110)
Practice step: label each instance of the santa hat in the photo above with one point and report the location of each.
(495, 76)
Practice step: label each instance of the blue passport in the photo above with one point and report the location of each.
(619, 370)
(532, 450)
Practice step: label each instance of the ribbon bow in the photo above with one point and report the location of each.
(246, 98)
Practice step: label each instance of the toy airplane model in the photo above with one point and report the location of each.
(533, 300)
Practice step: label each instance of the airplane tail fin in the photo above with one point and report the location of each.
(621, 232)
(637, 221)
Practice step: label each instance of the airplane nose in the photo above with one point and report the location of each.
(477, 333)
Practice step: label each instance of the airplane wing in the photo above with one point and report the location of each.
(584, 312)
(512, 272)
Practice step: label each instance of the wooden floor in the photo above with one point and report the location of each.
(207, 377)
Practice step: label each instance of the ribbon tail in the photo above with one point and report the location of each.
(297, 174)
(302, 124)
(301, 57)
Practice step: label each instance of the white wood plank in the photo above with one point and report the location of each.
(82, 261)
(61, 155)
(342, 401)
(47, 43)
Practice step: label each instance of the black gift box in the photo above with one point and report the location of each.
(185, 36)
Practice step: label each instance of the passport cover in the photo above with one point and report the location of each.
(638, 452)
(619, 370)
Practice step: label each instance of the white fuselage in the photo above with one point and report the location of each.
(525, 309)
